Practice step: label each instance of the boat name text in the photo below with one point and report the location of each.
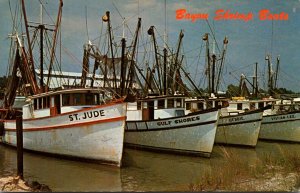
(283, 117)
(178, 121)
(86, 115)
(236, 119)
(221, 14)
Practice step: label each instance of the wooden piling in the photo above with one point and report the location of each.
(19, 125)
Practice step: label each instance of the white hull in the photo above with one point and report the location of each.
(193, 134)
(242, 129)
(285, 127)
(95, 133)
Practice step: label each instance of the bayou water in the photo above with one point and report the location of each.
(141, 170)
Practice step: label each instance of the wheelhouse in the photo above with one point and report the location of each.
(58, 102)
(156, 107)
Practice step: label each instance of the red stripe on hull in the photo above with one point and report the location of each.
(71, 125)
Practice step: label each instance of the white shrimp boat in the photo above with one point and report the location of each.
(284, 125)
(78, 121)
(240, 129)
(159, 123)
(70, 123)
(281, 122)
(234, 128)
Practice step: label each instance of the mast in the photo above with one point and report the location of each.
(177, 65)
(41, 27)
(85, 65)
(31, 76)
(276, 73)
(131, 68)
(111, 49)
(254, 85)
(213, 74)
(165, 71)
(28, 37)
(58, 21)
(225, 42)
(205, 38)
(270, 76)
(123, 68)
(151, 32)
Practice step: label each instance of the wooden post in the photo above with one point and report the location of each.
(19, 125)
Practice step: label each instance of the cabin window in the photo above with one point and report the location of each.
(261, 105)
(139, 105)
(188, 106)
(35, 104)
(179, 113)
(239, 106)
(46, 101)
(200, 106)
(78, 99)
(145, 106)
(40, 103)
(252, 106)
(161, 104)
(170, 103)
(52, 102)
(209, 104)
(97, 99)
(89, 99)
(66, 100)
(215, 103)
(178, 103)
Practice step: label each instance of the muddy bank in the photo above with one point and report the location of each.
(15, 184)
(271, 182)
(266, 174)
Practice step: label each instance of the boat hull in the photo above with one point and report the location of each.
(242, 129)
(190, 134)
(95, 133)
(285, 127)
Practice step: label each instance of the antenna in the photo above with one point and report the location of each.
(86, 25)
(165, 32)
(41, 13)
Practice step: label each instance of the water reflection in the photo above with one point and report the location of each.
(141, 171)
(64, 175)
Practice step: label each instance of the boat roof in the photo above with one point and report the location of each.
(159, 97)
(68, 91)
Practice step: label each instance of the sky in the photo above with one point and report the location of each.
(249, 41)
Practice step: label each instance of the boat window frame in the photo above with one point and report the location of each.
(188, 105)
(261, 105)
(170, 103)
(239, 106)
(160, 103)
(35, 104)
(252, 105)
(40, 103)
(200, 106)
(179, 100)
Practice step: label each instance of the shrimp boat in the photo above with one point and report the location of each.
(234, 128)
(159, 123)
(71, 123)
(282, 124)
(281, 121)
(77, 122)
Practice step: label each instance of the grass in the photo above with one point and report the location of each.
(267, 174)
